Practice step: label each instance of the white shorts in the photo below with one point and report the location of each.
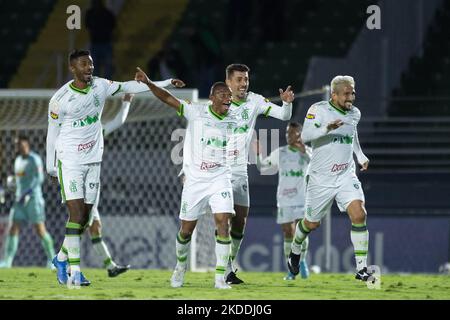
(319, 199)
(95, 215)
(290, 214)
(199, 198)
(80, 182)
(241, 195)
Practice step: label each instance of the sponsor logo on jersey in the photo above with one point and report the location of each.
(96, 101)
(292, 173)
(54, 115)
(209, 165)
(86, 146)
(343, 140)
(86, 121)
(215, 142)
(310, 116)
(289, 192)
(242, 129)
(339, 167)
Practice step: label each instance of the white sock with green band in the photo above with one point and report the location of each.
(223, 247)
(182, 248)
(360, 240)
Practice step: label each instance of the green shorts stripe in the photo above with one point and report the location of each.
(61, 181)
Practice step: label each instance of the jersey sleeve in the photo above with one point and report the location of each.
(118, 120)
(360, 156)
(270, 164)
(55, 116)
(313, 126)
(269, 109)
(187, 109)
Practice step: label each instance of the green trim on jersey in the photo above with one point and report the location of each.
(238, 103)
(118, 89)
(267, 111)
(63, 193)
(293, 149)
(83, 91)
(180, 111)
(216, 115)
(338, 109)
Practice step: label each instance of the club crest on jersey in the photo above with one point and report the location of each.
(245, 114)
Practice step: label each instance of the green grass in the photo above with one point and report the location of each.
(40, 283)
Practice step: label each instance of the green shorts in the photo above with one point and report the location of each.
(33, 211)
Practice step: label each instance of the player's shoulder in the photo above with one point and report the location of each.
(61, 91)
(252, 96)
(35, 157)
(355, 110)
(316, 108)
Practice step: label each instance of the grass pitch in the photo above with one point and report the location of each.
(41, 284)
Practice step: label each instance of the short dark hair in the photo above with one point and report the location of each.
(294, 124)
(75, 54)
(22, 137)
(216, 86)
(236, 67)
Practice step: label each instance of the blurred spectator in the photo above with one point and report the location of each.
(207, 55)
(167, 63)
(100, 22)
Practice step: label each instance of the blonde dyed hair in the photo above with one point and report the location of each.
(339, 81)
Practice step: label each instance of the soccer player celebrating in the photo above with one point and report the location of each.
(207, 171)
(291, 162)
(29, 203)
(331, 128)
(74, 152)
(248, 106)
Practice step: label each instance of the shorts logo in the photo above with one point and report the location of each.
(310, 116)
(73, 186)
(356, 186)
(184, 207)
(226, 194)
(93, 185)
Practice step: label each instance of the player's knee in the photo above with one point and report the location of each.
(311, 225)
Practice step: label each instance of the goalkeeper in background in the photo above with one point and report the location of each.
(29, 205)
(291, 162)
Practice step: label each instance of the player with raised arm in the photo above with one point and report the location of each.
(29, 205)
(74, 152)
(331, 128)
(247, 106)
(95, 225)
(208, 173)
(291, 162)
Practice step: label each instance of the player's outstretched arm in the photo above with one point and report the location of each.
(162, 94)
(269, 164)
(285, 111)
(362, 159)
(120, 117)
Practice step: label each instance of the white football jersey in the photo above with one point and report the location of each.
(332, 154)
(205, 148)
(292, 165)
(78, 114)
(247, 112)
